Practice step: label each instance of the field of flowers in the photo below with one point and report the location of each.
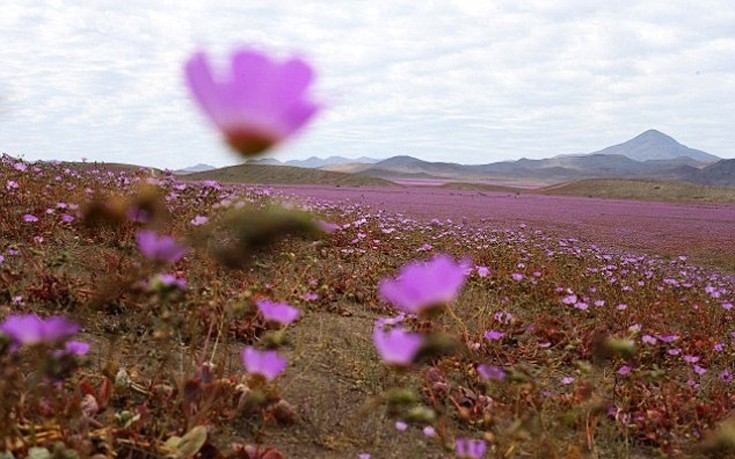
(143, 316)
(136, 322)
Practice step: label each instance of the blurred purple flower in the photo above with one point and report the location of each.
(429, 431)
(401, 426)
(29, 329)
(396, 347)
(648, 339)
(76, 347)
(30, 218)
(483, 271)
(309, 296)
(466, 448)
(421, 286)
(267, 364)
(258, 103)
(517, 277)
(567, 380)
(160, 248)
(491, 372)
(726, 376)
(492, 335)
(277, 312)
(699, 370)
(571, 299)
(691, 358)
(624, 370)
(199, 220)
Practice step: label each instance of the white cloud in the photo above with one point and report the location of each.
(471, 81)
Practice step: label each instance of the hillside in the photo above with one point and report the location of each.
(647, 190)
(257, 173)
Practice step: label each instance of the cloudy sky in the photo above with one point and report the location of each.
(463, 81)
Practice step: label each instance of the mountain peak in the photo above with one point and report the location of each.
(655, 145)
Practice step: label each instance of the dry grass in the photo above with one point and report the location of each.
(643, 190)
(257, 173)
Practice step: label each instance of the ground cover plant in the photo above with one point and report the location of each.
(143, 316)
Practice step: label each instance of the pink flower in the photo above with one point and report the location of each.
(493, 335)
(266, 364)
(421, 286)
(470, 449)
(29, 329)
(199, 220)
(160, 248)
(256, 104)
(281, 313)
(624, 370)
(571, 299)
(491, 372)
(396, 347)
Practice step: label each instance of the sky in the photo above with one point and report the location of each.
(471, 82)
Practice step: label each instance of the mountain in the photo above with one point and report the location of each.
(651, 154)
(197, 168)
(315, 162)
(721, 173)
(655, 145)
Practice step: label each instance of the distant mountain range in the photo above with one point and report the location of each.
(650, 155)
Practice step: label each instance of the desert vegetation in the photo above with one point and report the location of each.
(538, 344)
(144, 316)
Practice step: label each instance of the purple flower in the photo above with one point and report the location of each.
(277, 312)
(163, 249)
(470, 449)
(567, 380)
(309, 296)
(648, 339)
(30, 218)
(517, 277)
(421, 286)
(492, 335)
(483, 271)
(76, 347)
(726, 376)
(29, 329)
(571, 299)
(429, 431)
(691, 358)
(199, 220)
(266, 364)
(491, 372)
(624, 370)
(699, 370)
(396, 347)
(258, 103)
(401, 426)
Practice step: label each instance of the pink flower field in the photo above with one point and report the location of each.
(703, 231)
